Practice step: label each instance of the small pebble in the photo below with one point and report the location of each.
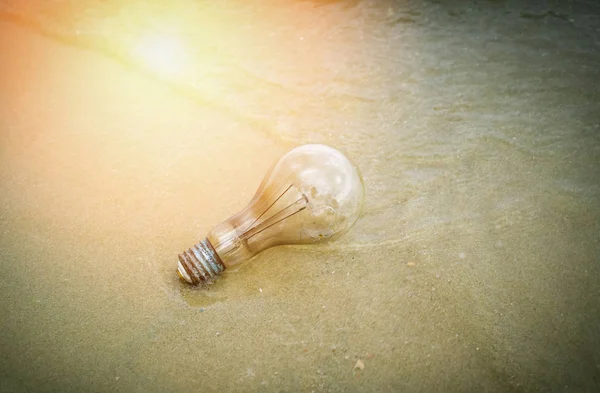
(359, 365)
(411, 264)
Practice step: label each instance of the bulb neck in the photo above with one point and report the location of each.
(200, 263)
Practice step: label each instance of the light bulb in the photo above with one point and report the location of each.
(311, 195)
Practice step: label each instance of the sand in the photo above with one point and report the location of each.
(475, 265)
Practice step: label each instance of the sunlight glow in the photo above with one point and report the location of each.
(164, 54)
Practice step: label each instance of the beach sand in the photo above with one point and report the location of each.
(475, 266)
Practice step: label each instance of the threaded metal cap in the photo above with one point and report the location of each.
(200, 263)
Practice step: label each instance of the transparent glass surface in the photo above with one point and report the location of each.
(313, 194)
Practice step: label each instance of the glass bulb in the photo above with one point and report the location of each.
(311, 195)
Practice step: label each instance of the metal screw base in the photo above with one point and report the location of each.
(200, 263)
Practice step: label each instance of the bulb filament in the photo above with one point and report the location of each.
(293, 208)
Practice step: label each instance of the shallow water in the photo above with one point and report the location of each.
(474, 267)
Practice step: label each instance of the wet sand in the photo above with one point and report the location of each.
(474, 266)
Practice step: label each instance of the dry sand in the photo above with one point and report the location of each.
(107, 174)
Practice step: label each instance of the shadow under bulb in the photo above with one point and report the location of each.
(311, 195)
